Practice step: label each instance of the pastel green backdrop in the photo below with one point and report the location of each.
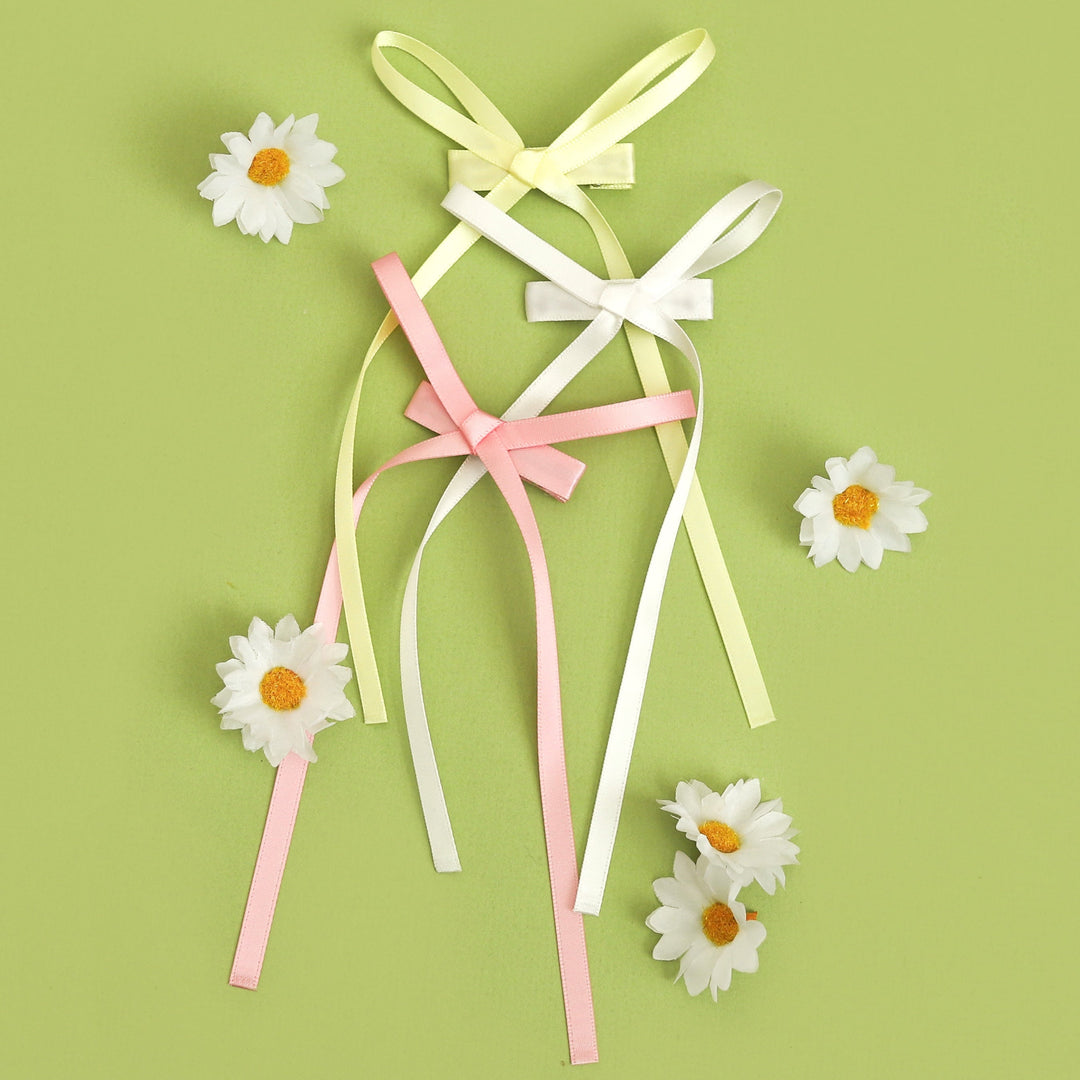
(173, 401)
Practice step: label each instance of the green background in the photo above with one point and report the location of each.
(173, 398)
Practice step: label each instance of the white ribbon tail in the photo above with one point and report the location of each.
(543, 390)
(620, 748)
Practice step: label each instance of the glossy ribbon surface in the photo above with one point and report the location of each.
(652, 302)
(589, 151)
(446, 406)
(591, 141)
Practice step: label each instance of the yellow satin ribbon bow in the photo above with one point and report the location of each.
(496, 158)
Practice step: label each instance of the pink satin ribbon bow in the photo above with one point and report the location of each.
(512, 451)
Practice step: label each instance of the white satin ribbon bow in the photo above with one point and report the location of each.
(653, 302)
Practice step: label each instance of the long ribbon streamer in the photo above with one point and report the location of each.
(470, 431)
(667, 291)
(489, 137)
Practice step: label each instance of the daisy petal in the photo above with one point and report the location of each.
(838, 473)
(812, 501)
(262, 132)
(860, 463)
(870, 549)
(907, 519)
(848, 551)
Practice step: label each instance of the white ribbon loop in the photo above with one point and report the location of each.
(726, 229)
(547, 302)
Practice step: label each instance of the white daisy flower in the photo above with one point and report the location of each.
(859, 512)
(282, 686)
(749, 839)
(703, 926)
(272, 177)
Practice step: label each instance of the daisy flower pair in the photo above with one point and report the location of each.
(702, 923)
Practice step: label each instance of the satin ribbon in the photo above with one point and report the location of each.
(666, 292)
(511, 450)
(589, 151)
(592, 142)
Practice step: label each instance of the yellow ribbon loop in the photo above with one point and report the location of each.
(509, 170)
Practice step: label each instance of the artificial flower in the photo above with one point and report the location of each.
(859, 512)
(749, 839)
(272, 177)
(283, 686)
(703, 925)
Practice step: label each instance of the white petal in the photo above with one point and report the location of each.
(812, 501)
(848, 552)
(281, 132)
(826, 543)
(837, 469)
(721, 974)
(252, 217)
(227, 164)
(907, 519)
(806, 532)
(859, 463)
(308, 150)
(294, 205)
(306, 125)
(722, 884)
(671, 946)
(673, 894)
(825, 525)
(303, 186)
(699, 967)
(870, 548)
(327, 175)
(668, 920)
(916, 496)
(226, 207)
(262, 132)
(892, 539)
(742, 799)
(214, 186)
(878, 477)
(280, 225)
(240, 148)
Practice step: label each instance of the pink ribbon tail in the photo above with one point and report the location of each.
(511, 451)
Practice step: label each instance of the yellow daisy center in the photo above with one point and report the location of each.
(282, 689)
(855, 506)
(269, 166)
(719, 924)
(722, 837)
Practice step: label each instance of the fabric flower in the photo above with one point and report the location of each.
(859, 512)
(703, 926)
(749, 839)
(283, 686)
(272, 177)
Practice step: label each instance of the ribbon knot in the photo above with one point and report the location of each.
(477, 426)
(528, 165)
(618, 296)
